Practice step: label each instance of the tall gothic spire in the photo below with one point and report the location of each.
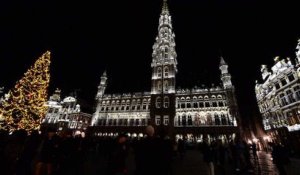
(164, 55)
(165, 9)
(164, 46)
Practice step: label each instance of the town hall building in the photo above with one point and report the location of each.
(195, 113)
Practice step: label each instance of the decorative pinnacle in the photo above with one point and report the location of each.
(104, 74)
(165, 9)
(276, 59)
(222, 61)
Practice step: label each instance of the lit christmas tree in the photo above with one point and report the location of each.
(24, 105)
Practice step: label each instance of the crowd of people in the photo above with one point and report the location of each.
(53, 154)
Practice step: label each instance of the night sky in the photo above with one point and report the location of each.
(87, 37)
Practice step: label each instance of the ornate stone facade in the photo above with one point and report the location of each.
(203, 112)
(65, 114)
(278, 96)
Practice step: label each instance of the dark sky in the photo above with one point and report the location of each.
(87, 37)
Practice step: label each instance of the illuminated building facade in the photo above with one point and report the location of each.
(197, 112)
(278, 96)
(65, 114)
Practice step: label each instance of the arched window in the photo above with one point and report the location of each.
(166, 50)
(125, 122)
(144, 104)
(159, 85)
(217, 120)
(208, 119)
(179, 120)
(159, 72)
(190, 122)
(166, 85)
(166, 71)
(223, 119)
(137, 122)
(166, 102)
(183, 120)
(133, 105)
(158, 102)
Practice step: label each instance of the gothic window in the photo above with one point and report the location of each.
(120, 122)
(166, 71)
(190, 122)
(133, 105)
(166, 52)
(166, 120)
(137, 122)
(195, 105)
(183, 120)
(291, 77)
(217, 120)
(159, 85)
(143, 122)
(109, 122)
(159, 72)
(166, 85)
(208, 119)
(188, 105)
(221, 104)
(223, 119)
(101, 122)
(157, 120)
(201, 105)
(197, 120)
(207, 104)
(182, 105)
(144, 104)
(131, 122)
(179, 120)
(166, 102)
(214, 104)
(158, 102)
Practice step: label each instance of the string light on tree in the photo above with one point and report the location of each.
(24, 106)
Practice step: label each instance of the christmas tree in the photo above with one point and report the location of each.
(24, 105)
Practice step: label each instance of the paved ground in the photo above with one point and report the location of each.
(193, 164)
